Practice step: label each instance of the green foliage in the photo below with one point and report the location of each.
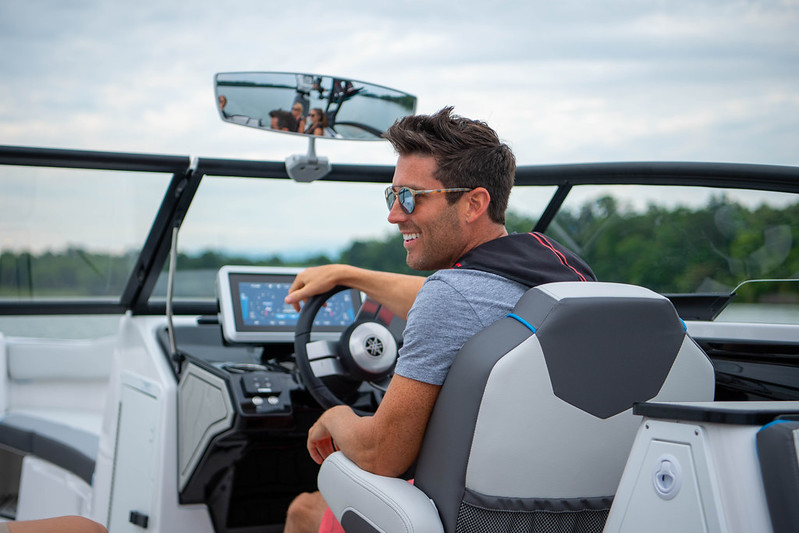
(387, 254)
(682, 250)
(74, 272)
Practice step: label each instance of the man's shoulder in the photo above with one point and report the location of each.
(465, 275)
(468, 285)
(529, 258)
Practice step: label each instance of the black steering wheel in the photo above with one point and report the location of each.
(366, 350)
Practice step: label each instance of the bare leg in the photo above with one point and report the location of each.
(61, 524)
(305, 513)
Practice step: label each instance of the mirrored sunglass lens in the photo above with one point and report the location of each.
(390, 196)
(406, 200)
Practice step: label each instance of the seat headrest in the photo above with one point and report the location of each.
(599, 337)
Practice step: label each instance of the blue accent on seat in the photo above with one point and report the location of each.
(523, 321)
(684, 325)
(774, 422)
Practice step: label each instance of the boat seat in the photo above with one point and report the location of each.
(534, 422)
(778, 454)
(64, 381)
(68, 447)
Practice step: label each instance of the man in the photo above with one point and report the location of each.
(448, 199)
(282, 120)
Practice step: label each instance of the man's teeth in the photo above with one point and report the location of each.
(410, 236)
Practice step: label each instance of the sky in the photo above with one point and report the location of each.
(561, 81)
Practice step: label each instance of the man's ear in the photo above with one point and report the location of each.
(476, 203)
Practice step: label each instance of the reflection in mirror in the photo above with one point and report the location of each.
(309, 104)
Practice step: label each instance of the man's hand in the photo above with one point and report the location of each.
(386, 443)
(313, 281)
(320, 442)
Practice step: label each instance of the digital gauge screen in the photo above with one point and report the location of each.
(261, 304)
(252, 307)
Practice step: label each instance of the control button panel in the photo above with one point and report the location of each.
(266, 393)
(259, 384)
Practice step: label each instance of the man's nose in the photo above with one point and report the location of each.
(396, 214)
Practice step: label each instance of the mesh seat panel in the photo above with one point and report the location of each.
(473, 519)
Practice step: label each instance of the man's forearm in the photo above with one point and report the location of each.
(395, 291)
(386, 443)
(339, 428)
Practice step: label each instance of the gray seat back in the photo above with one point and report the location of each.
(778, 455)
(533, 425)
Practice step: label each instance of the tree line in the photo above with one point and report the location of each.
(706, 249)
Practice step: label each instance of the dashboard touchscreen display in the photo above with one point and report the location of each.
(252, 307)
(261, 304)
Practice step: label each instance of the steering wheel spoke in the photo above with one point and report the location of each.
(324, 359)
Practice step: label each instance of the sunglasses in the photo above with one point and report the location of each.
(407, 196)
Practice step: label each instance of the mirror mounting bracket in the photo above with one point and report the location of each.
(309, 167)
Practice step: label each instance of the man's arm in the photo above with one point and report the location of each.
(397, 292)
(386, 443)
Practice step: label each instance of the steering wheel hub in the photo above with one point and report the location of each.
(371, 351)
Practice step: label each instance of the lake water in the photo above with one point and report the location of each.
(761, 314)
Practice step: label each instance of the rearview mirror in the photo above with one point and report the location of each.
(310, 104)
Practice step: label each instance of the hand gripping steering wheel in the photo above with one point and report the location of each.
(366, 350)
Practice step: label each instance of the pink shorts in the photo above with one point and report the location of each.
(330, 524)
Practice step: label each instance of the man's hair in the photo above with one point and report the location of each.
(284, 119)
(468, 153)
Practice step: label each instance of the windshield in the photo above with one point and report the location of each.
(681, 239)
(70, 234)
(673, 240)
(689, 240)
(274, 223)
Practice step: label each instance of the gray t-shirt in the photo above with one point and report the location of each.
(450, 308)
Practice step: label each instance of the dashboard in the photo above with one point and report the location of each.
(252, 310)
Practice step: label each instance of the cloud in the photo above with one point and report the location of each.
(561, 81)
(138, 77)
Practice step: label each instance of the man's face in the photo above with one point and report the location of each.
(432, 234)
(273, 123)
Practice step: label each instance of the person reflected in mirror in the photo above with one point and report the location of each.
(317, 86)
(60, 524)
(448, 199)
(282, 120)
(222, 100)
(318, 123)
(343, 90)
(298, 112)
(238, 119)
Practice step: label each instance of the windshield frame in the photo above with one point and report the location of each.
(187, 173)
